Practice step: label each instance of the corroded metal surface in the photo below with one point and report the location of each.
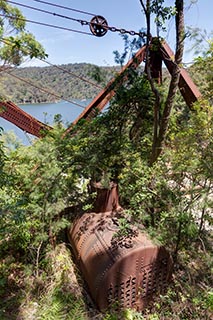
(124, 268)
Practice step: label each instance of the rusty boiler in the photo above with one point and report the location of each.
(125, 270)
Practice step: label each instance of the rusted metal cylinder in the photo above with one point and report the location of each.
(127, 269)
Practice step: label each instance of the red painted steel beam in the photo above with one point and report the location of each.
(11, 112)
(187, 87)
(100, 101)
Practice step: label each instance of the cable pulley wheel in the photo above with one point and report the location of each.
(98, 26)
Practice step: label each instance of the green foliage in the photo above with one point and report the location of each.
(10, 141)
(13, 17)
(61, 305)
(185, 299)
(39, 188)
(131, 112)
(130, 48)
(102, 147)
(201, 71)
(62, 299)
(97, 74)
(163, 13)
(16, 42)
(200, 41)
(2, 159)
(172, 199)
(96, 149)
(126, 314)
(53, 294)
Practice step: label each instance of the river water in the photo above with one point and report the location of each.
(45, 112)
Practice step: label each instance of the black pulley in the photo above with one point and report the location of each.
(98, 26)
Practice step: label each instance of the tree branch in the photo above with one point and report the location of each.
(144, 7)
(179, 20)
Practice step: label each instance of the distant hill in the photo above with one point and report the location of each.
(52, 79)
(67, 84)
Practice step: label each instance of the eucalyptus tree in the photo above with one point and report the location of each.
(164, 13)
(15, 42)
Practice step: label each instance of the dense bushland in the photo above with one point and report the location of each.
(148, 140)
(45, 184)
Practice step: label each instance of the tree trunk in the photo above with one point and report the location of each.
(150, 76)
(159, 138)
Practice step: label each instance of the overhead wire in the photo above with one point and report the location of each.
(43, 89)
(46, 24)
(58, 27)
(82, 22)
(63, 7)
(44, 11)
(8, 42)
(72, 74)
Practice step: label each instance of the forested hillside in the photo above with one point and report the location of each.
(71, 81)
(68, 84)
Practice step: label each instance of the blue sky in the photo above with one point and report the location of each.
(68, 47)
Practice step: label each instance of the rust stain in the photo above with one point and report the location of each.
(128, 269)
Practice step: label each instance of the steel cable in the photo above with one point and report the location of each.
(8, 42)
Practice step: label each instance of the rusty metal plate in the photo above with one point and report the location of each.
(127, 271)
